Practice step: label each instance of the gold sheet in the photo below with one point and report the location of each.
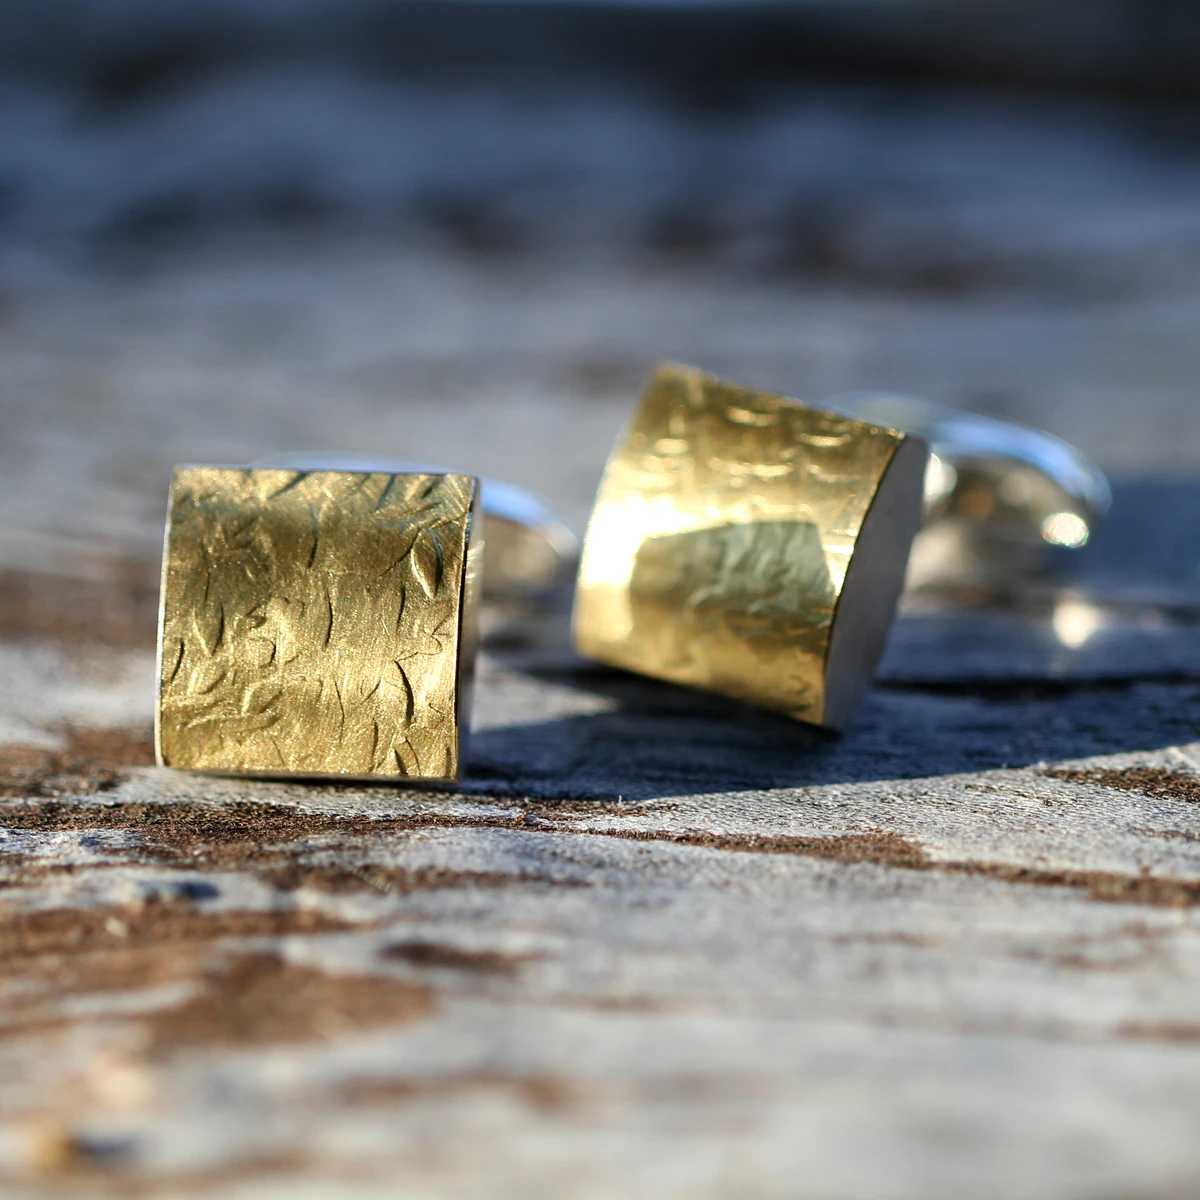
(718, 550)
(317, 623)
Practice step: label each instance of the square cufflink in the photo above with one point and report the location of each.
(318, 623)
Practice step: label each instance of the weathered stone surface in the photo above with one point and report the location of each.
(657, 944)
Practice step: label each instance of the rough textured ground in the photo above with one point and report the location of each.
(657, 944)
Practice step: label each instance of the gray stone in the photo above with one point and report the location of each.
(657, 944)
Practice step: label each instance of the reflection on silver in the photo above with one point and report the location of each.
(527, 548)
(997, 494)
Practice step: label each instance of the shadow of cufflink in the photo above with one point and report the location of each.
(750, 545)
(318, 623)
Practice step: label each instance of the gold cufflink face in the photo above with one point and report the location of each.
(318, 623)
(749, 544)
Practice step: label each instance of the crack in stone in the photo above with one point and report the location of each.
(1150, 781)
(275, 841)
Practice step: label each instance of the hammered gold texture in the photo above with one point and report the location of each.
(312, 622)
(721, 538)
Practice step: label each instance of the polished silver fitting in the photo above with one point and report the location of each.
(999, 497)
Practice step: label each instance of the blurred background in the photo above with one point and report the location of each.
(462, 231)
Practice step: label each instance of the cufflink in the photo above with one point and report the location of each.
(749, 544)
(318, 623)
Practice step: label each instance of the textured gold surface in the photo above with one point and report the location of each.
(313, 622)
(723, 531)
